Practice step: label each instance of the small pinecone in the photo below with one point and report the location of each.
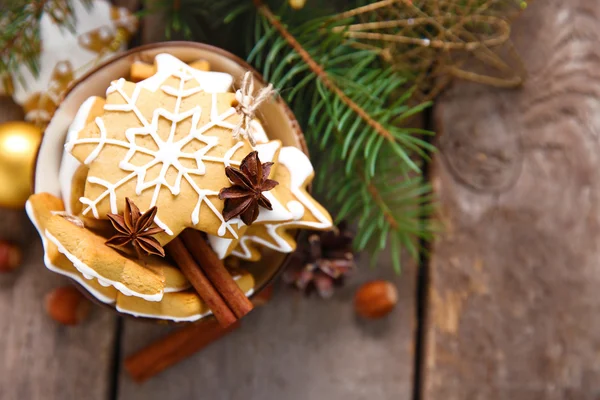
(322, 261)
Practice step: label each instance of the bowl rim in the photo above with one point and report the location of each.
(295, 126)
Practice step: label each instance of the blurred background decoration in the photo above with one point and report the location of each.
(45, 46)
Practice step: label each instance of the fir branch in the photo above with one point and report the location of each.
(383, 191)
(181, 17)
(20, 35)
(319, 71)
(331, 71)
(390, 212)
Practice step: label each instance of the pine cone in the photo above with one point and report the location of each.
(322, 261)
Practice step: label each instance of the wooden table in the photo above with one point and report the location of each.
(507, 307)
(513, 310)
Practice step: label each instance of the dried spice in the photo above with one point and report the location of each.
(322, 261)
(136, 229)
(244, 198)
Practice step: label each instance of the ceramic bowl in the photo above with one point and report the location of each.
(276, 117)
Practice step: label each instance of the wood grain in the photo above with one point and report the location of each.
(513, 305)
(295, 348)
(38, 358)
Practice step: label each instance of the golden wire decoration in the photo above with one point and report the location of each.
(439, 40)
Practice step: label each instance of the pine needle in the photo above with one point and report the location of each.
(20, 31)
(351, 106)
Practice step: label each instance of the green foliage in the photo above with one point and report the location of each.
(391, 211)
(364, 176)
(361, 175)
(181, 17)
(20, 31)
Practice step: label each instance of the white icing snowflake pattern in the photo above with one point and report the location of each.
(169, 153)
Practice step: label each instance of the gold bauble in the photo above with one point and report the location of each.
(19, 142)
(297, 4)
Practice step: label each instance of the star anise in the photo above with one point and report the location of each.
(246, 195)
(136, 229)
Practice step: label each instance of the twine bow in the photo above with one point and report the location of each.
(247, 105)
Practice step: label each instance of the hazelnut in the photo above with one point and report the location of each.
(67, 305)
(10, 256)
(375, 299)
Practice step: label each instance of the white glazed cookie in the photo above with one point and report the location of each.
(185, 306)
(267, 151)
(70, 167)
(165, 141)
(295, 172)
(140, 70)
(39, 208)
(94, 259)
(208, 81)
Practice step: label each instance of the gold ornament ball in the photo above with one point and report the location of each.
(19, 142)
(297, 4)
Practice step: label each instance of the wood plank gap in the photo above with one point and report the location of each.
(422, 279)
(113, 385)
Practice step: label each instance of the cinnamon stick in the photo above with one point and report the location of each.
(174, 347)
(200, 282)
(216, 272)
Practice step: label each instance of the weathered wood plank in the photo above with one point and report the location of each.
(513, 302)
(38, 358)
(295, 348)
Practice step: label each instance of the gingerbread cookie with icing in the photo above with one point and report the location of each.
(72, 173)
(40, 207)
(89, 254)
(295, 172)
(44, 207)
(173, 278)
(140, 70)
(180, 306)
(165, 141)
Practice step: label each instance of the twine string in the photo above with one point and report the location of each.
(247, 105)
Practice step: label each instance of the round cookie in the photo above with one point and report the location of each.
(180, 306)
(42, 207)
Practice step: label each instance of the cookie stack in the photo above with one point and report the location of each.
(165, 182)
